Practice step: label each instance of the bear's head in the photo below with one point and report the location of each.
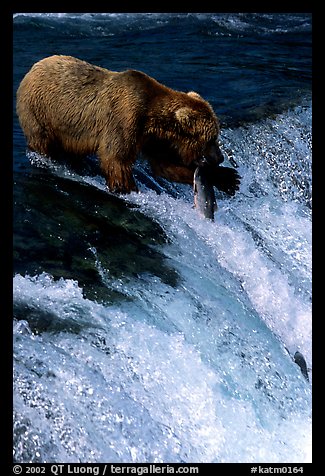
(200, 125)
(188, 124)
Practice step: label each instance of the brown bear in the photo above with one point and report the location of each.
(68, 105)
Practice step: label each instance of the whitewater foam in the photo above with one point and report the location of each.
(179, 372)
(142, 394)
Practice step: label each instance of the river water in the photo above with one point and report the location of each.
(143, 332)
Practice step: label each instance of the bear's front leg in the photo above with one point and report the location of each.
(118, 174)
(173, 172)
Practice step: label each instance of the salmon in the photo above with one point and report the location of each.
(300, 360)
(204, 197)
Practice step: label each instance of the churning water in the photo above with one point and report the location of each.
(143, 332)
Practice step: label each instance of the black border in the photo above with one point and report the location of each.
(6, 175)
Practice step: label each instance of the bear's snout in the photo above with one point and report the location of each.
(213, 154)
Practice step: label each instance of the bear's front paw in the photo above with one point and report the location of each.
(225, 179)
(120, 189)
(124, 185)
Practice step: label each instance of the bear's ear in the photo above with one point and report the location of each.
(194, 95)
(186, 116)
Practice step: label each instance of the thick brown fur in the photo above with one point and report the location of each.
(68, 105)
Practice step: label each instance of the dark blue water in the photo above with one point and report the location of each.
(228, 58)
(143, 333)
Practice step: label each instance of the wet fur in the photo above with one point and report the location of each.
(68, 105)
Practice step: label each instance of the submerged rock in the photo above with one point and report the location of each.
(70, 229)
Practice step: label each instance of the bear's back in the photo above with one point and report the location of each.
(76, 78)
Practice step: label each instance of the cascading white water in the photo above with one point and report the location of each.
(199, 371)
